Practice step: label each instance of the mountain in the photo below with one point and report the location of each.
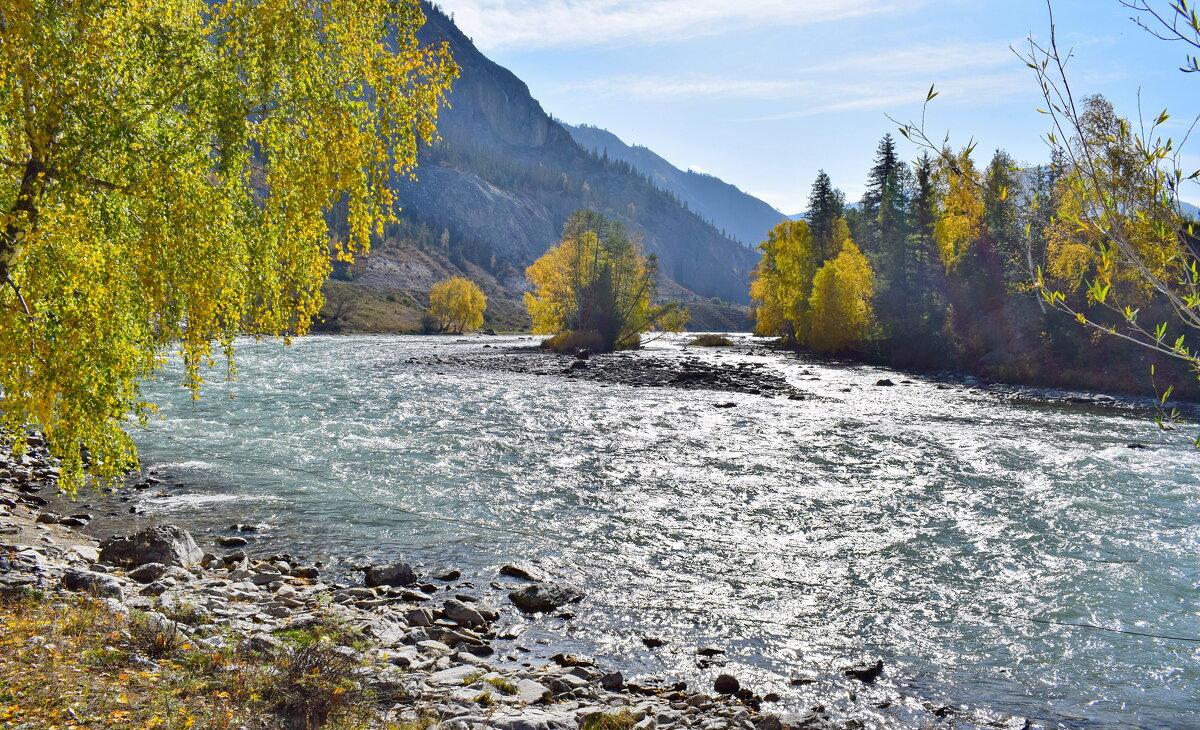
(739, 215)
(497, 188)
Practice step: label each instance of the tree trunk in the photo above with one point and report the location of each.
(22, 217)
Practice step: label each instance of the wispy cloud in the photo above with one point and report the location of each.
(967, 90)
(964, 73)
(677, 88)
(501, 24)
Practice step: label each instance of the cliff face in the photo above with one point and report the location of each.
(505, 176)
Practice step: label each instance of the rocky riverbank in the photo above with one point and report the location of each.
(421, 644)
(630, 369)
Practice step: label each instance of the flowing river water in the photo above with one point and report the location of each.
(949, 530)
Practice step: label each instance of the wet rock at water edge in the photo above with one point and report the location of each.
(522, 572)
(726, 684)
(396, 574)
(652, 642)
(612, 682)
(166, 544)
(463, 614)
(866, 672)
(544, 597)
(232, 542)
(884, 382)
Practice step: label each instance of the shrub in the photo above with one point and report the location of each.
(155, 636)
(711, 341)
(316, 685)
(572, 342)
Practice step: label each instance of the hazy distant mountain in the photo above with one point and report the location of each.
(497, 189)
(739, 215)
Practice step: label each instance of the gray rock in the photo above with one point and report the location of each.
(529, 691)
(148, 573)
(612, 682)
(453, 677)
(88, 553)
(262, 643)
(232, 542)
(396, 574)
(85, 580)
(524, 572)
(726, 684)
(166, 544)
(157, 588)
(463, 614)
(419, 617)
(544, 597)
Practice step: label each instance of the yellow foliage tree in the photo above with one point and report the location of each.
(961, 219)
(841, 308)
(457, 304)
(596, 282)
(781, 284)
(165, 171)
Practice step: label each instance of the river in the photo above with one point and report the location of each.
(950, 530)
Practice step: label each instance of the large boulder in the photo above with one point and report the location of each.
(544, 597)
(166, 544)
(396, 574)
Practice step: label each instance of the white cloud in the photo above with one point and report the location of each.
(675, 88)
(963, 74)
(500, 24)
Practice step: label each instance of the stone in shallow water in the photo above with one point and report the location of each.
(523, 572)
(726, 684)
(396, 574)
(544, 597)
(866, 672)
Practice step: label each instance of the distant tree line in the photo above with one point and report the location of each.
(944, 264)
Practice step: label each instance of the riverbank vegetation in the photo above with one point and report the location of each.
(71, 662)
(595, 288)
(167, 190)
(456, 305)
(1099, 234)
(947, 263)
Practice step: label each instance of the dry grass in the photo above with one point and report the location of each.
(69, 663)
(608, 721)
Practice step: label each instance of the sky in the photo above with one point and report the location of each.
(764, 93)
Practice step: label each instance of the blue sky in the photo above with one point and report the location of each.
(764, 93)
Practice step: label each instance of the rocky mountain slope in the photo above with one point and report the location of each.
(737, 214)
(505, 177)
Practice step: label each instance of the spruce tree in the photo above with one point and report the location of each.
(884, 233)
(825, 205)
